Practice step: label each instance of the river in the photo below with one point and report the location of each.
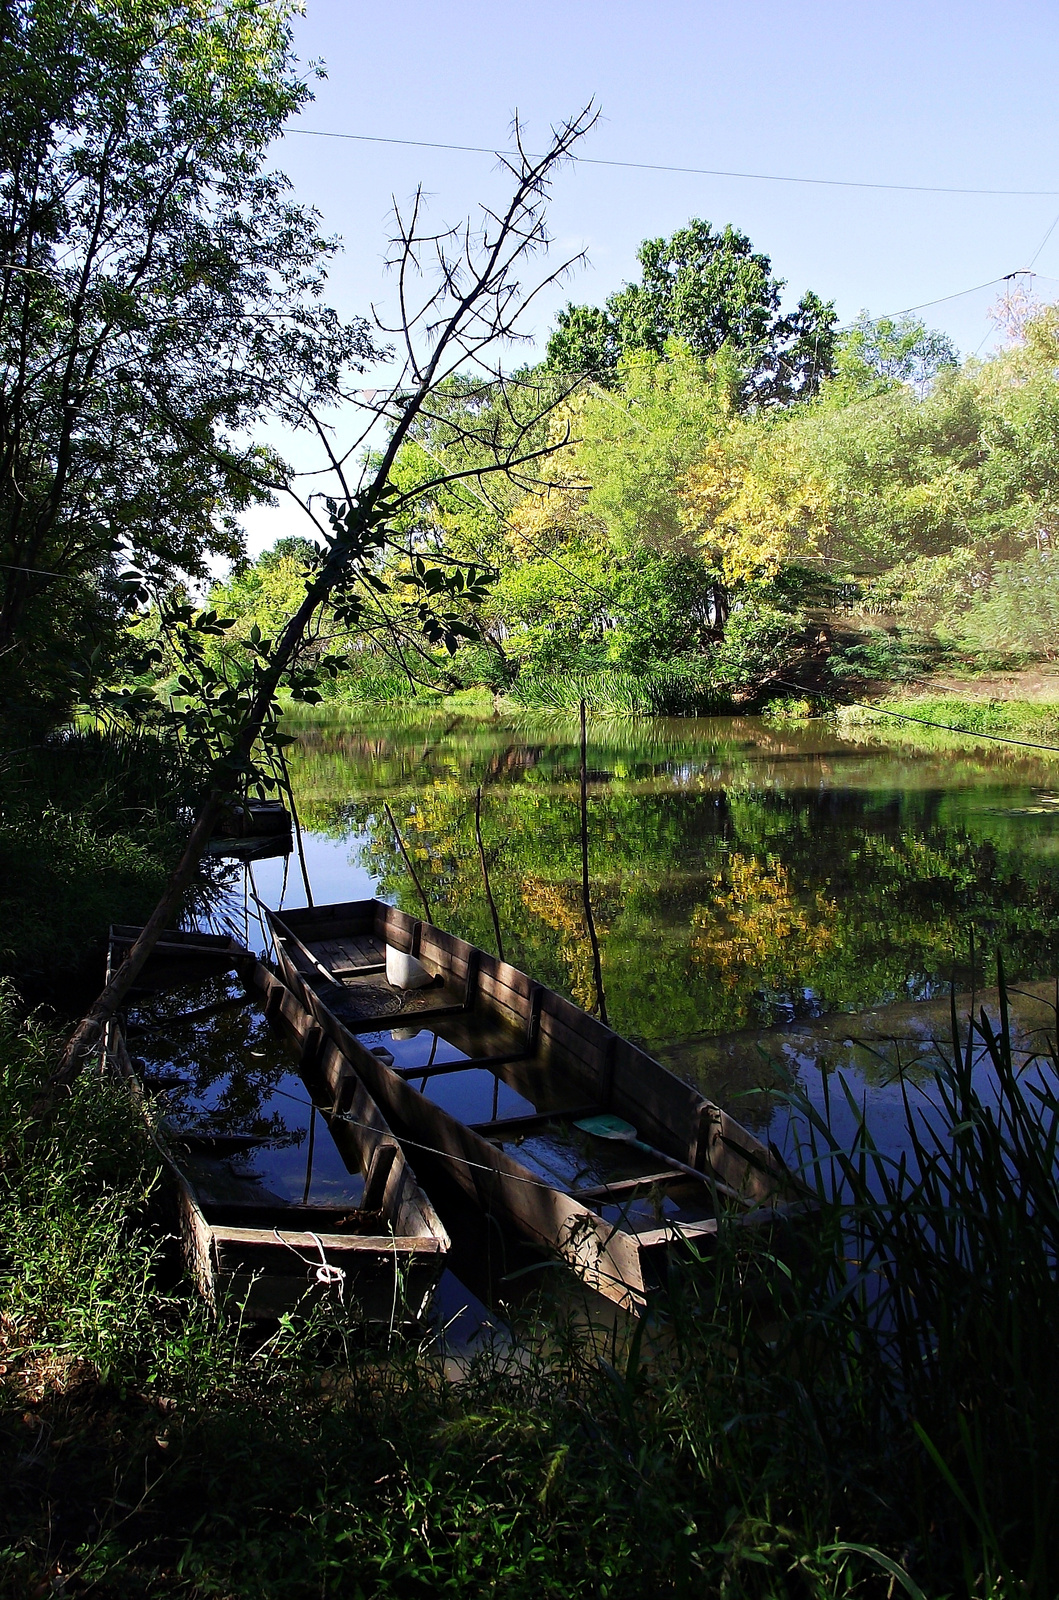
(770, 899)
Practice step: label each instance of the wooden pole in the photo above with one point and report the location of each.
(597, 965)
(289, 790)
(485, 872)
(408, 861)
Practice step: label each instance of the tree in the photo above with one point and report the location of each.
(873, 356)
(636, 442)
(477, 307)
(159, 296)
(756, 500)
(714, 292)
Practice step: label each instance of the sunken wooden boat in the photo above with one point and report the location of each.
(253, 831)
(546, 1117)
(276, 1202)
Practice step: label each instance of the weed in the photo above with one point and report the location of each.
(96, 850)
(863, 1406)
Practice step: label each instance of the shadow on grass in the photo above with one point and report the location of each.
(866, 1407)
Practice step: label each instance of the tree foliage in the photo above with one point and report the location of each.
(715, 292)
(159, 296)
(875, 355)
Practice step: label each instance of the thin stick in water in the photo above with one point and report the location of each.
(485, 872)
(289, 790)
(597, 966)
(309, 1160)
(408, 860)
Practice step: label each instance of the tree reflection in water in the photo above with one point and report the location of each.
(745, 876)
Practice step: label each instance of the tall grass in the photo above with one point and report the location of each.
(677, 690)
(944, 1307)
(864, 1404)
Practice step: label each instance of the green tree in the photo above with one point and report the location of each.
(159, 297)
(636, 442)
(873, 356)
(715, 292)
(472, 306)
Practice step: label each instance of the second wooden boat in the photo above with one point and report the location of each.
(547, 1118)
(276, 1202)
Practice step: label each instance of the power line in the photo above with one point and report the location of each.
(959, 294)
(1044, 241)
(696, 172)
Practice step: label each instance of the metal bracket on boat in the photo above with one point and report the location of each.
(533, 1016)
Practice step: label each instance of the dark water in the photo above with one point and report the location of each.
(231, 1074)
(769, 899)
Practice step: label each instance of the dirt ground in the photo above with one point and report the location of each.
(1040, 682)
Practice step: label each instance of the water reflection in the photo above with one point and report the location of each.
(742, 874)
(220, 1072)
(746, 878)
(769, 901)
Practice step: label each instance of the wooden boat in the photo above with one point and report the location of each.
(275, 1200)
(510, 1086)
(253, 831)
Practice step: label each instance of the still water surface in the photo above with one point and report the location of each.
(768, 898)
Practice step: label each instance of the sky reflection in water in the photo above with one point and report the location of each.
(749, 881)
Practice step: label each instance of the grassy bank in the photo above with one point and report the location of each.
(883, 1421)
(91, 822)
(941, 721)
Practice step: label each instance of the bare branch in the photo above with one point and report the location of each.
(476, 304)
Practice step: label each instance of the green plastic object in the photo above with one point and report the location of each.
(607, 1127)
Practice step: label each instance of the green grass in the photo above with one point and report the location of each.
(91, 822)
(923, 720)
(677, 690)
(872, 1411)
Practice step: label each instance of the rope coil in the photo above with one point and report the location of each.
(324, 1271)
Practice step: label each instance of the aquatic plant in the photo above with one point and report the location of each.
(677, 689)
(944, 1299)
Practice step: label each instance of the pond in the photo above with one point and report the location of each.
(764, 893)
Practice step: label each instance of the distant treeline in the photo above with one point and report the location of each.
(740, 496)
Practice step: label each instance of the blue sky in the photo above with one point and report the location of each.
(953, 95)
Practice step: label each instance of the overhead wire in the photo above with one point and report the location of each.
(697, 172)
(1044, 241)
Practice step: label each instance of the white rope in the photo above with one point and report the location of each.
(326, 1272)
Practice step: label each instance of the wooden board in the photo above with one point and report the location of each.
(569, 1056)
(397, 1235)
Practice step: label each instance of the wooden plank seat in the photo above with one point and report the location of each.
(561, 1054)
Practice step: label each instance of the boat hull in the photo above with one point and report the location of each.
(595, 1069)
(264, 1266)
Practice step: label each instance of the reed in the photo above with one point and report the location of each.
(864, 1405)
(943, 1300)
(678, 690)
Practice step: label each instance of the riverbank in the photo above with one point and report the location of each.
(1020, 706)
(91, 821)
(759, 1435)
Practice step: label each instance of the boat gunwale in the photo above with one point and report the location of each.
(714, 1126)
(283, 1007)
